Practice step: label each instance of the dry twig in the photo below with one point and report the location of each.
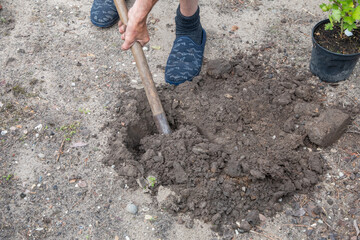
(356, 228)
(356, 132)
(298, 225)
(60, 150)
(307, 11)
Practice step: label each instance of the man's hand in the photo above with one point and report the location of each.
(136, 29)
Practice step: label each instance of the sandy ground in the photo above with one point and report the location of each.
(59, 79)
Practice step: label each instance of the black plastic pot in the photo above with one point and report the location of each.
(330, 66)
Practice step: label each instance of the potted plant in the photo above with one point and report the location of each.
(336, 41)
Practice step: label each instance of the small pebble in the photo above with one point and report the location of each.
(145, 48)
(131, 208)
(3, 133)
(40, 155)
(38, 127)
(22, 195)
(309, 232)
(330, 201)
(73, 84)
(341, 174)
(13, 128)
(127, 238)
(82, 184)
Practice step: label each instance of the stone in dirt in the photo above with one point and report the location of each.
(245, 226)
(253, 218)
(131, 208)
(328, 127)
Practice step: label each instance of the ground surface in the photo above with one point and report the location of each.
(69, 104)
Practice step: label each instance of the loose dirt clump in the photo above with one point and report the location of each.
(238, 140)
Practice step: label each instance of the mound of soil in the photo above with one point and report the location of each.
(238, 141)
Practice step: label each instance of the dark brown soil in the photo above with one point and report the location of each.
(238, 140)
(332, 41)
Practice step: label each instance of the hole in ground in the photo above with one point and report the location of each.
(250, 161)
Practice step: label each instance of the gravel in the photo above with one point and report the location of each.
(131, 208)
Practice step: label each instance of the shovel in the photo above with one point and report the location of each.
(146, 76)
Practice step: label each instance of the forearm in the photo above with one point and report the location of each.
(142, 8)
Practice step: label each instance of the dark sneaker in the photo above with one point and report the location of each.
(185, 60)
(103, 13)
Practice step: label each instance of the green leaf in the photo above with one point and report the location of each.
(329, 26)
(356, 13)
(349, 20)
(324, 7)
(336, 14)
(351, 27)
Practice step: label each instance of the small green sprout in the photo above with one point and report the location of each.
(8, 177)
(84, 111)
(151, 181)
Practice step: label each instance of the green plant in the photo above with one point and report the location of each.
(69, 130)
(151, 181)
(346, 13)
(8, 177)
(84, 111)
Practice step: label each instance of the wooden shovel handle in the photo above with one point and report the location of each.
(145, 75)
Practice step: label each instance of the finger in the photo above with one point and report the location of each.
(127, 44)
(123, 37)
(122, 29)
